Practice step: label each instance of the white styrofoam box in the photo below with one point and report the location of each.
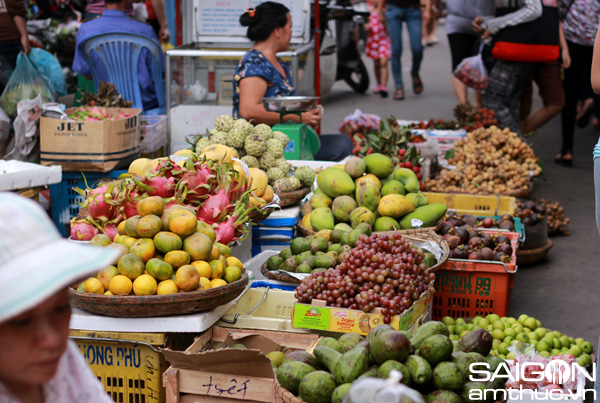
(259, 232)
(286, 217)
(189, 120)
(276, 243)
(23, 175)
(315, 164)
(447, 136)
(429, 149)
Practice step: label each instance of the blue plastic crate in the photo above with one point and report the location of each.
(63, 199)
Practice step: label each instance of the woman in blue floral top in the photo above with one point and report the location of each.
(261, 73)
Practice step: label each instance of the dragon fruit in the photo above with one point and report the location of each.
(232, 227)
(110, 230)
(100, 204)
(82, 230)
(215, 207)
(197, 182)
(160, 186)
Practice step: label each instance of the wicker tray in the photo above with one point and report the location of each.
(530, 256)
(303, 230)
(130, 306)
(285, 395)
(259, 215)
(285, 277)
(292, 198)
(306, 232)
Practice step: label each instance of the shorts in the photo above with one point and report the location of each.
(462, 46)
(547, 76)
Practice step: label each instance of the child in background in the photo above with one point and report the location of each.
(379, 48)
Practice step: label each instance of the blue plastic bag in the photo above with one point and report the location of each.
(49, 68)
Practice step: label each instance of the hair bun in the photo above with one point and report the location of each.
(249, 18)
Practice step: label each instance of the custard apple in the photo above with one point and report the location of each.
(306, 175)
(264, 130)
(236, 137)
(217, 137)
(251, 161)
(275, 148)
(241, 152)
(294, 183)
(274, 174)
(282, 137)
(282, 186)
(282, 164)
(266, 161)
(202, 143)
(255, 145)
(224, 123)
(244, 125)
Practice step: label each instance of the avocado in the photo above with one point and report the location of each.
(463, 361)
(303, 268)
(319, 245)
(336, 235)
(327, 357)
(371, 372)
(299, 245)
(477, 340)
(419, 368)
(377, 330)
(273, 262)
(309, 260)
(428, 329)
(351, 365)
(479, 395)
(365, 228)
(435, 349)
(442, 396)
(325, 261)
(348, 341)
(289, 374)
(340, 392)
(447, 376)
(302, 356)
(386, 367)
(390, 345)
(317, 387)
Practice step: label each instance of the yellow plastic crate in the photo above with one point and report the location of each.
(272, 311)
(482, 205)
(129, 365)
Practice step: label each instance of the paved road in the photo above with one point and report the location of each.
(563, 290)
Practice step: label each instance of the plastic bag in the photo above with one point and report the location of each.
(49, 68)
(375, 390)
(359, 122)
(24, 83)
(473, 73)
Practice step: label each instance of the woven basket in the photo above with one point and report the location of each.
(285, 395)
(131, 306)
(259, 215)
(303, 230)
(285, 277)
(530, 256)
(292, 198)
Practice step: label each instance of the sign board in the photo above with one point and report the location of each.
(219, 20)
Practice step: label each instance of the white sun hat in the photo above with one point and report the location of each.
(35, 261)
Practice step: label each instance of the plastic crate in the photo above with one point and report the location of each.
(153, 136)
(482, 205)
(63, 199)
(464, 288)
(129, 365)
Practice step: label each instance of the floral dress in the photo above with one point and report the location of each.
(378, 41)
(255, 64)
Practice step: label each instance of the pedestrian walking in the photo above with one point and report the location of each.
(410, 12)
(379, 48)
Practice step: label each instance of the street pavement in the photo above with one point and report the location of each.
(563, 290)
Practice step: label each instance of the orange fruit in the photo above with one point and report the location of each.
(148, 226)
(205, 283)
(100, 240)
(177, 258)
(207, 230)
(232, 273)
(198, 245)
(121, 228)
(204, 269)
(144, 248)
(120, 285)
(144, 285)
(234, 261)
(218, 269)
(121, 248)
(131, 226)
(93, 285)
(167, 241)
(151, 205)
(217, 282)
(167, 287)
(187, 278)
(159, 269)
(107, 274)
(183, 223)
(131, 266)
(225, 250)
(215, 253)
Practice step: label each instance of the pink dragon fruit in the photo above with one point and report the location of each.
(100, 204)
(233, 226)
(160, 186)
(82, 230)
(110, 230)
(198, 180)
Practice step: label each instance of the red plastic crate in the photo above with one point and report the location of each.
(466, 288)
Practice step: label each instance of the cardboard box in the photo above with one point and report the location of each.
(320, 317)
(229, 375)
(90, 146)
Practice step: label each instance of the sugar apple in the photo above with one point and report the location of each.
(285, 185)
(266, 161)
(236, 137)
(202, 143)
(282, 137)
(306, 175)
(282, 164)
(255, 145)
(294, 183)
(264, 130)
(245, 125)
(251, 161)
(217, 137)
(275, 148)
(241, 152)
(274, 174)
(224, 123)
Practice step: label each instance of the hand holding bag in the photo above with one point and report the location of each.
(535, 41)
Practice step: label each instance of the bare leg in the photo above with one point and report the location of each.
(478, 98)
(377, 63)
(383, 68)
(540, 117)
(460, 90)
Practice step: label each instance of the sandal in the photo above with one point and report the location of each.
(383, 92)
(417, 85)
(399, 95)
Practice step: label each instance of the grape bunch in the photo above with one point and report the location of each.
(381, 271)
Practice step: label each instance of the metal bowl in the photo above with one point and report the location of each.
(290, 104)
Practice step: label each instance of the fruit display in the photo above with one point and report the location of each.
(467, 242)
(428, 360)
(370, 190)
(531, 212)
(163, 251)
(488, 161)
(452, 221)
(96, 114)
(472, 118)
(507, 331)
(383, 271)
(216, 191)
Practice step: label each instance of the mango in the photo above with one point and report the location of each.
(408, 178)
(306, 221)
(379, 165)
(258, 181)
(367, 195)
(368, 177)
(393, 187)
(335, 182)
(342, 207)
(361, 214)
(343, 227)
(386, 224)
(306, 209)
(322, 218)
(418, 199)
(355, 167)
(428, 215)
(320, 200)
(395, 206)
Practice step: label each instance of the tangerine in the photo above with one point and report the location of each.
(215, 253)
(121, 228)
(144, 285)
(198, 245)
(187, 278)
(107, 274)
(100, 240)
(183, 223)
(159, 269)
(144, 248)
(225, 250)
(120, 285)
(131, 226)
(131, 266)
(232, 273)
(204, 269)
(151, 205)
(217, 282)
(205, 283)
(167, 241)
(207, 230)
(167, 287)
(148, 226)
(234, 261)
(93, 285)
(177, 258)
(218, 269)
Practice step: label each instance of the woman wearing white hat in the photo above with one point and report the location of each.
(38, 363)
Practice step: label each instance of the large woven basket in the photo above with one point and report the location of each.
(259, 215)
(278, 275)
(285, 395)
(292, 198)
(530, 256)
(302, 230)
(130, 306)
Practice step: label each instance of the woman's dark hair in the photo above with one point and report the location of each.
(263, 20)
